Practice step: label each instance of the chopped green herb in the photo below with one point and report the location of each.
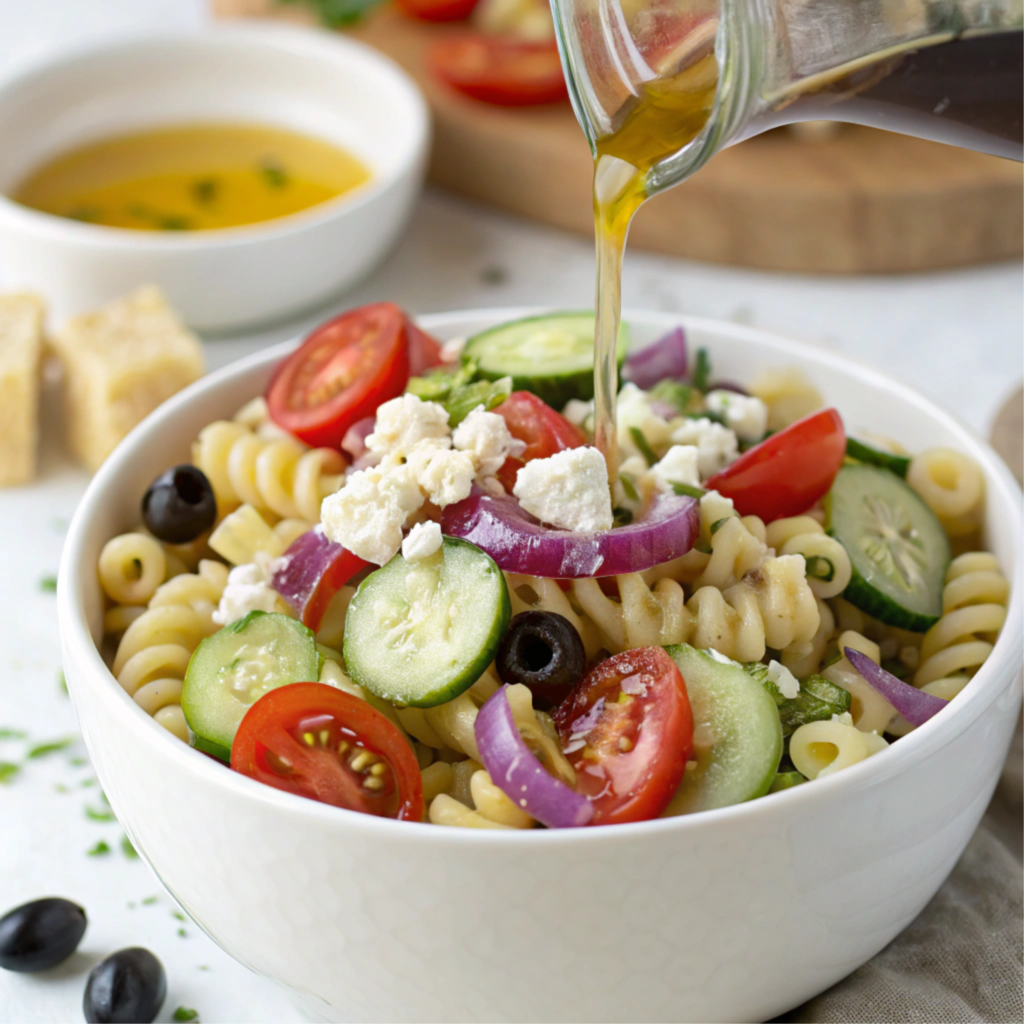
(101, 849)
(86, 783)
(103, 797)
(835, 656)
(50, 747)
(7, 771)
(12, 734)
(86, 214)
(204, 190)
(128, 850)
(61, 788)
(178, 915)
(621, 516)
(81, 762)
(642, 445)
(438, 383)
(463, 400)
(629, 487)
(274, 175)
(719, 523)
(494, 275)
(184, 1013)
(103, 815)
(203, 967)
(818, 699)
(702, 370)
(174, 222)
(337, 13)
(821, 568)
(182, 933)
(48, 584)
(684, 398)
(150, 900)
(62, 682)
(688, 492)
(703, 547)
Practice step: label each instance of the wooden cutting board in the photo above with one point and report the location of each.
(858, 201)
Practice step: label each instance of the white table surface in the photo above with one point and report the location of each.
(956, 336)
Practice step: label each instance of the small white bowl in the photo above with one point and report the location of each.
(324, 85)
(731, 915)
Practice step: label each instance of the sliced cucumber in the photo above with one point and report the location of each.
(863, 452)
(897, 547)
(552, 356)
(232, 669)
(420, 633)
(737, 734)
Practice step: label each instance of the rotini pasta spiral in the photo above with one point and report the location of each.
(789, 395)
(828, 565)
(280, 475)
(818, 749)
(131, 567)
(869, 710)
(952, 486)
(973, 612)
(154, 652)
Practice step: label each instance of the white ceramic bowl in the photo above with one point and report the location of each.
(732, 915)
(320, 83)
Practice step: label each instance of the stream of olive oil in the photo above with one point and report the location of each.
(670, 113)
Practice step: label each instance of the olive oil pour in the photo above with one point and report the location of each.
(670, 112)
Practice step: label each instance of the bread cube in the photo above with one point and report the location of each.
(21, 342)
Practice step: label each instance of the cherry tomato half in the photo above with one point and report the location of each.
(319, 742)
(505, 71)
(437, 10)
(545, 432)
(627, 730)
(786, 474)
(424, 350)
(341, 373)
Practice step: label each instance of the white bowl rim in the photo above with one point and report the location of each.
(416, 136)
(922, 742)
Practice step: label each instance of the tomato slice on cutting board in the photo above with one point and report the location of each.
(341, 373)
(627, 730)
(544, 431)
(787, 473)
(324, 744)
(501, 70)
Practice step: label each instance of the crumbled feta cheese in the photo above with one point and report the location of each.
(577, 412)
(569, 490)
(444, 475)
(451, 350)
(368, 513)
(404, 422)
(716, 445)
(421, 541)
(788, 684)
(719, 657)
(680, 465)
(248, 590)
(634, 410)
(485, 436)
(746, 416)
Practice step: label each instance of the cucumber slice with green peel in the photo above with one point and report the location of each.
(737, 736)
(863, 452)
(420, 633)
(897, 547)
(232, 669)
(552, 355)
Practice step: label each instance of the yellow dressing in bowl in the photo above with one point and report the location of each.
(192, 178)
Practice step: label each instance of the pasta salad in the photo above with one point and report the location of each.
(404, 581)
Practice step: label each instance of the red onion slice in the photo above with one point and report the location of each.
(519, 543)
(311, 572)
(913, 704)
(665, 358)
(728, 385)
(519, 775)
(354, 441)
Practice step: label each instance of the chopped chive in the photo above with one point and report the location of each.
(641, 442)
(103, 815)
(62, 682)
(621, 516)
(128, 850)
(629, 487)
(7, 771)
(61, 788)
(86, 783)
(204, 190)
(273, 173)
(150, 900)
(821, 568)
(686, 491)
(718, 524)
(702, 370)
(703, 547)
(836, 656)
(101, 849)
(50, 747)
(182, 933)
(81, 762)
(183, 1013)
(48, 584)
(12, 734)
(178, 915)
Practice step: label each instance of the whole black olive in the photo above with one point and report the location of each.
(179, 505)
(543, 651)
(40, 934)
(128, 987)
